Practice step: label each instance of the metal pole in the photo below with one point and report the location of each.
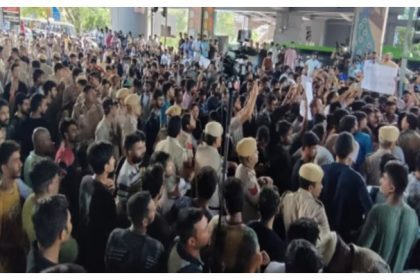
(406, 48)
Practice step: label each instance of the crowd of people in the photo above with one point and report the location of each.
(111, 160)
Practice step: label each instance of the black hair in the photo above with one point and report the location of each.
(14, 65)
(174, 126)
(338, 115)
(42, 174)
(343, 145)
(58, 67)
(137, 207)
(64, 126)
(268, 203)
(36, 64)
(99, 154)
(133, 138)
(187, 218)
(263, 134)
(160, 157)
(76, 72)
(206, 180)
(360, 116)
(186, 120)
(398, 174)
(166, 86)
(347, 123)
(384, 160)
(36, 101)
(157, 94)
(19, 99)
(7, 148)
(234, 195)
(87, 88)
(283, 128)
(319, 130)
(412, 121)
(37, 74)
(152, 180)
(50, 219)
(48, 86)
(189, 85)
(302, 257)
(303, 228)
(305, 184)
(310, 139)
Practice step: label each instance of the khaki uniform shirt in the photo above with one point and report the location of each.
(302, 204)
(252, 190)
(175, 150)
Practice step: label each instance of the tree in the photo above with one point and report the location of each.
(83, 18)
(225, 25)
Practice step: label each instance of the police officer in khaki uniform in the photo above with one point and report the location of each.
(388, 136)
(248, 157)
(172, 146)
(208, 155)
(304, 202)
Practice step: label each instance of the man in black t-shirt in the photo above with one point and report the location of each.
(131, 249)
(269, 241)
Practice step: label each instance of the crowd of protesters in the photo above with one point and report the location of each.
(111, 160)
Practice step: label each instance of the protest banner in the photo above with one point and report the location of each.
(379, 78)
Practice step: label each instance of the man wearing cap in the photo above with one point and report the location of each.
(208, 155)
(388, 136)
(345, 195)
(304, 202)
(44, 66)
(108, 129)
(132, 103)
(248, 156)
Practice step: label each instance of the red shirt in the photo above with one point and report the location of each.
(64, 155)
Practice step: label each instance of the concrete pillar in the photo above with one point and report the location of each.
(289, 27)
(129, 19)
(368, 30)
(195, 21)
(391, 28)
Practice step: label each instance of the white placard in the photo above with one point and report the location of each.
(379, 78)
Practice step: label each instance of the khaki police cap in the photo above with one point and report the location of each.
(132, 100)
(311, 172)
(174, 111)
(388, 133)
(122, 93)
(246, 147)
(214, 129)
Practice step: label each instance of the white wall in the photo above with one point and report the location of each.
(296, 29)
(126, 19)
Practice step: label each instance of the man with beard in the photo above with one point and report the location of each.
(130, 174)
(4, 119)
(22, 105)
(153, 123)
(12, 257)
(38, 107)
(108, 129)
(308, 153)
(43, 148)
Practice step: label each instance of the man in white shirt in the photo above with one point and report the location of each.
(312, 64)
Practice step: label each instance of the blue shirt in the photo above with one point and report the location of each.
(365, 148)
(345, 198)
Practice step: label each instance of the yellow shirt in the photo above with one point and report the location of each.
(12, 241)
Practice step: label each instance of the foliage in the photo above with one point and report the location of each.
(83, 18)
(225, 25)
